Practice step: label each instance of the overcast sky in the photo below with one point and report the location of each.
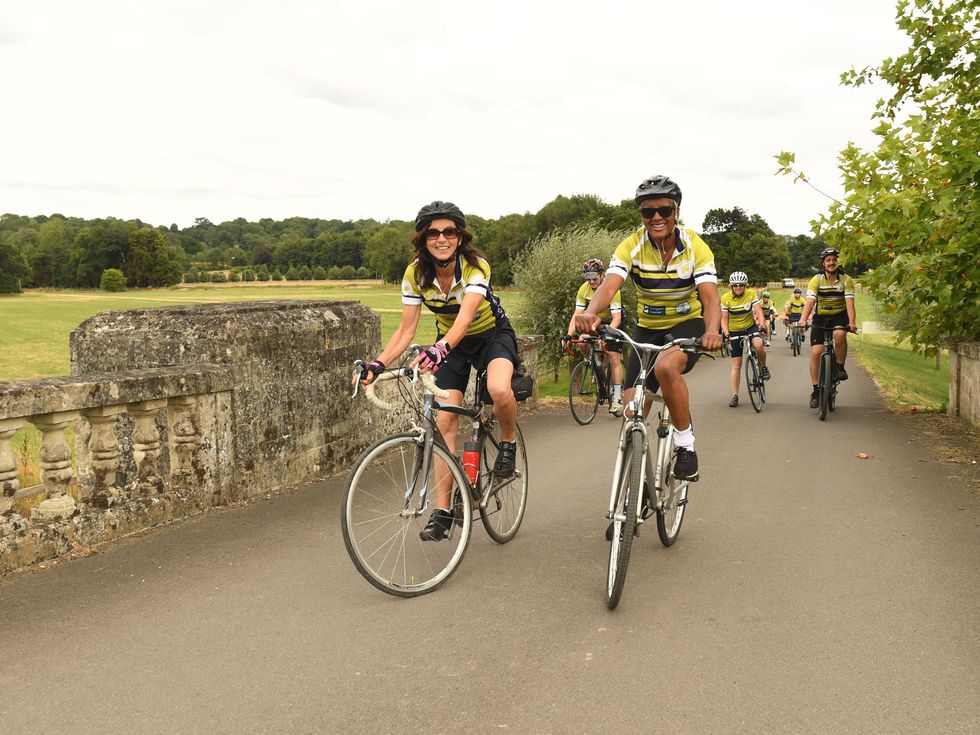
(167, 111)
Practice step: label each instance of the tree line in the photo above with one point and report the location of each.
(71, 252)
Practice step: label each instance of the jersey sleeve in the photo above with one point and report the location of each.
(848, 287)
(704, 262)
(812, 286)
(621, 262)
(580, 297)
(411, 293)
(477, 280)
(616, 304)
(725, 298)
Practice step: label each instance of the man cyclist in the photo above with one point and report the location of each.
(830, 299)
(741, 315)
(673, 270)
(593, 271)
(793, 309)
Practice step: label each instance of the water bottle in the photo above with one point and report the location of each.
(471, 460)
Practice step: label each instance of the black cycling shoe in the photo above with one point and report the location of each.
(814, 399)
(438, 526)
(764, 372)
(734, 402)
(840, 374)
(506, 460)
(685, 464)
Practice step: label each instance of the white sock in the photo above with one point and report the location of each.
(684, 438)
(616, 390)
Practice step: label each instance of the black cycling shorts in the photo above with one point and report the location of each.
(477, 351)
(689, 328)
(823, 323)
(737, 346)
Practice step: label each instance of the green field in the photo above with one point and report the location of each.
(37, 323)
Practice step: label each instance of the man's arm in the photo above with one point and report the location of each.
(711, 310)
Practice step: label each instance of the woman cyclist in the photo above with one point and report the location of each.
(593, 271)
(451, 278)
(741, 314)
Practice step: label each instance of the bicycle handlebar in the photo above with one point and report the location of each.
(412, 373)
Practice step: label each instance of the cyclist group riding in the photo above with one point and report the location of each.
(409, 499)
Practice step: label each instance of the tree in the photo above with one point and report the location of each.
(13, 267)
(746, 243)
(319, 273)
(151, 261)
(804, 254)
(112, 280)
(389, 251)
(910, 206)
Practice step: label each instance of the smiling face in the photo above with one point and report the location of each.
(441, 247)
(658, 227)
(830, 264)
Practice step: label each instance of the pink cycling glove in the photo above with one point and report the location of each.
(433, 357)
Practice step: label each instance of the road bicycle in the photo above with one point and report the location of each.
(827, 380)
(590, 381)
(796, 333)
(638, 464)
(392, 487)
(754, 382)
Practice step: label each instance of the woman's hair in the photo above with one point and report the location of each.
(426, 269)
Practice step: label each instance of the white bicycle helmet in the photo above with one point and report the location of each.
(738, 277)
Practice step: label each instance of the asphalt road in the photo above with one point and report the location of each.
(810, 592)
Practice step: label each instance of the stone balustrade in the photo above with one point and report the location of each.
(178, 409)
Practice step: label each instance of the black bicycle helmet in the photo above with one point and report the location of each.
(658, 187)
(829, 251)
(438, 210)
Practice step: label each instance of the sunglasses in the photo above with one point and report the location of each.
(590, 276)
(450, 233)
(665, 211)
(738, 285)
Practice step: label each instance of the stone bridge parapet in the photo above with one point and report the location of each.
(177, 409)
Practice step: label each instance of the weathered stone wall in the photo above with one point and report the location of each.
(964, 382)
(290, 364)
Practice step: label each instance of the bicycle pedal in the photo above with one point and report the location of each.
(681, 502)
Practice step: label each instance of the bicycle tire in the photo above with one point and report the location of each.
(507, 499)
(753, 381)
(826, 378)
(583, 395)
(670, 514)
(795, 342)
(381, 539)
(631, 480)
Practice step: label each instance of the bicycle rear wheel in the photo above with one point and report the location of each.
(506, 498)
(753, 382)
(670, 514)
(826, 379)
(583, 393)
(624, 518)
(381, 520)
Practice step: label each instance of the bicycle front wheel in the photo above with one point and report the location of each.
(382, 514)
(624, 518)
(505, 497)
(753, 382)
(795, 342)
(673, 497)
(826, 380)
(583, 394)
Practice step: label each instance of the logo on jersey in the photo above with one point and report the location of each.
(683, 308)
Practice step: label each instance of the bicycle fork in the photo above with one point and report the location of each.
(629, 428)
